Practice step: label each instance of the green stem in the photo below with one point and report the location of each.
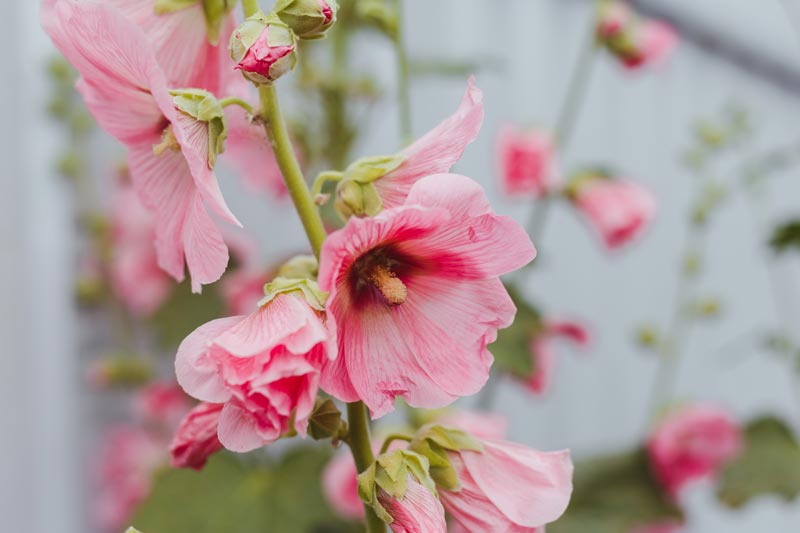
(232, 100)
(403, 97)
(361, 448)
(250, 7)
(290, 168)
(390, 439)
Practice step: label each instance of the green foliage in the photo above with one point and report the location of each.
(233, 497)
(511, 349)
(183, 312)
(613, 495)
(770, 464)
(786, 236)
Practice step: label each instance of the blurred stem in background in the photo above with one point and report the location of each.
(403, 96)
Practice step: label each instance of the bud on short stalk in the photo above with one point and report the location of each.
(309, 19)
(263, 48)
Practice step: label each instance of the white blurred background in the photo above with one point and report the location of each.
(638, 123)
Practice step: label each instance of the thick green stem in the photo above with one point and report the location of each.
(361, 448)
(403, 96)
(250, 7)
(290, 168)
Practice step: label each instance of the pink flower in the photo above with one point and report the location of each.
(162, 403)
(414, 285)
(613, 19)
(134, 273)
(692, 444)
(508, 487)
(618, 210)
(418, 511)
(126, 91)
(263, 48)
(526, 161)
(541, 350)
(669, 526)
(196, 438)
(264, 367)
(127, 462)
(340, 486)
(655, 42)
(489, 426)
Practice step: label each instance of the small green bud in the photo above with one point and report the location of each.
(309, 19)
(647, 336)
(707, 307)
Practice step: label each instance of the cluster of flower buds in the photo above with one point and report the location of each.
(634, 40)
(264, 47)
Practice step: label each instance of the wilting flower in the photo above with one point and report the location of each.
(692, 444)
(541, 350)
(263, 48)
(264, 367)
(527, 161)
(171, 147)
(414, 287)
(309, 19)
(374, 183)
(494, 485)
(134, 273)
(196, 438)
(618, 210)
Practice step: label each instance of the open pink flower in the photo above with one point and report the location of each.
(508, 487)
(692, 444)
(541, 350)
(527, 161)
(264, 367)
(163, 403)
(134, 273)
(196, 438)
(126, 91)
(618, 210)
(414, 287)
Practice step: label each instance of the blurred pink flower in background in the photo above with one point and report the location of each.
(196, 438)
(613, 18)
(655, 42)
(692, 444)
(527, 161)
(541, 350)
(163, 403)
(340, 485)
(483, 425)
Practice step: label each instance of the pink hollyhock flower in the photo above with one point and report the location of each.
(618, 210)
(655, 42)
(340, 486)
(127, 462)
(527, 161)
(669, 526)
(263, 48)
(264, 367)
(196, 438)
(134, 273)
(508, 487)
(692, 444)
(162, 403)
(414, 285)
(489, 426)
(541, 350)
(418, 511)
(170, 163)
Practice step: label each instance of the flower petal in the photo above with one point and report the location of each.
(205, 249)
(238, 430)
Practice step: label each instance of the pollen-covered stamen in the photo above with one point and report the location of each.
(168, 142)
(389, 284)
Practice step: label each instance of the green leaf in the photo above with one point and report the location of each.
(613, 495)
(511, 350)
(786, 236)
(235, 495)
(183, 313)
(769, 464)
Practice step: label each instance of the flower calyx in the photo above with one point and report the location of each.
(356, 194)
(433, 442)
(203, 106)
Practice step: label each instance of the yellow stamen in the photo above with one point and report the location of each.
(168, 142)
(389, 284)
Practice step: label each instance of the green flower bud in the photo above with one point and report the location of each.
(309, 19)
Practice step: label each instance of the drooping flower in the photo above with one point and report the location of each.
(635, 41)
(541, 350)
(415, 287)
(264, 366)
(527, 161)
(618, 210)
(196, 438)
(171, 148)
(692, 444)
(162, 403)
(263, 48)
(374, 183)
(494, 485)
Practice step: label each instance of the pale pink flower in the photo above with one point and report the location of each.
(264, 367)
(669, 526)
(655, 42)
(340, 486)
(541, 350)
(126, 91)
(436, 151)
(508, 487)
(482, 425)
(134, 273)
(128, 459)
(196, 438)
(418, 511)
(413, 286)
(692, 444)
(527, 161)
(618, 210)
(163, 403)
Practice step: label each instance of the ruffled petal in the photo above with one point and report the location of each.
(418, 511)
(238, 430)
(205, 249)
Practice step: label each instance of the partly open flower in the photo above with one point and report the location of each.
(196, 438)
(692, 444)
(263, 48)
(527, 161)
(541, 350)
(309, 19)
(415, 295)
(264, 366)
(172, 137)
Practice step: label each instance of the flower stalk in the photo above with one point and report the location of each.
(361, 448)
(403, 96)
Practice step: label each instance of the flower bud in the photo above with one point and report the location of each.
(309, 19)
(263, 48)
(354, 198)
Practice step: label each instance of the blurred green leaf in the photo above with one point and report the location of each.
(184, 312)
(770, 464)
(233, 497)
(511, 350)
(786, 236)
(613, 495)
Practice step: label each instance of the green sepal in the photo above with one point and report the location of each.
(308, 288)
(325, 420)
(204, 106)
(433, 442)
(305, 17)
(300, 266)
(368, 169)
(357, 199)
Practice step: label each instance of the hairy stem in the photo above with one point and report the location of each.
(361, 448)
